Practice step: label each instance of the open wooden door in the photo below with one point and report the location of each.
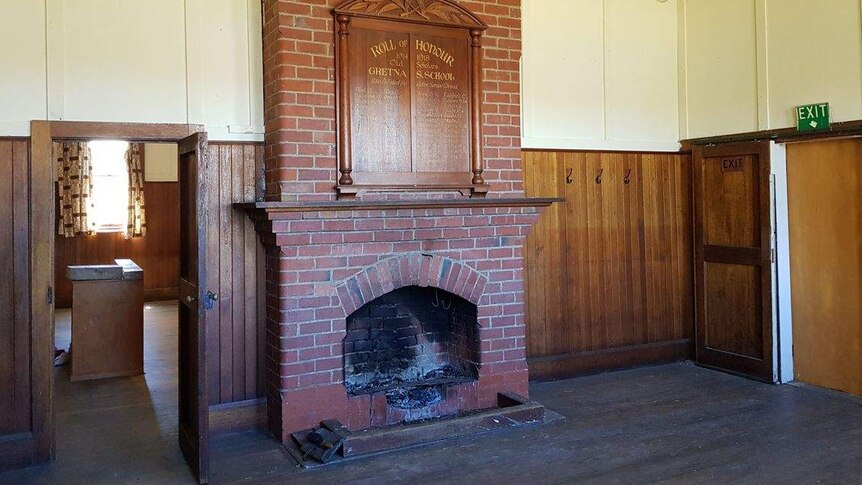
(733, 258)
(195, 302)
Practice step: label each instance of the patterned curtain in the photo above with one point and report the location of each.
(74, 186)
(137, 226)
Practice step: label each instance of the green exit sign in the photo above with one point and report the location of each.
(812, 117)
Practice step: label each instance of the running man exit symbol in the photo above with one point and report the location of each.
(812, 117)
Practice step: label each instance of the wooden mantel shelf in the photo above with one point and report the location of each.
(272, 209)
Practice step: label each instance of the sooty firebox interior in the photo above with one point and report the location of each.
(410, 344)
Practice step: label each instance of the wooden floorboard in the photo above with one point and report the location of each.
(668, 424)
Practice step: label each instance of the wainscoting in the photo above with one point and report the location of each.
(609, 273)
(235, 350)
(16, 417)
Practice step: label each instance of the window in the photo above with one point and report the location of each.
(110, 195)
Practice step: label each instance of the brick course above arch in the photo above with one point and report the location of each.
(411, 269)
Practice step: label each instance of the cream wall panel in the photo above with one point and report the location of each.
(600, 74)
(814, 55)
(255, 67)
(168, 61)
(160, 162)
(22, 65)
(563, 67)
(748, 63)
(124, 61)
(641, 92)
(231, 68)
(720, 67)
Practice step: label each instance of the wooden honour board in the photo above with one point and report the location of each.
(409, 111)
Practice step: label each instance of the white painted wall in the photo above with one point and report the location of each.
(641, 93)
(117, 60)
(597, 74)
(173, 61)
(22, 65)
(814, 55)
(642, 74)
(748, 63)
(720, 67)
(600, 74)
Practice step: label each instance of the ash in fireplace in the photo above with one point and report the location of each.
(414, 397)
(406, 391)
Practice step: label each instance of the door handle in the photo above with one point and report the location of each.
(210, 300)
(190, 299)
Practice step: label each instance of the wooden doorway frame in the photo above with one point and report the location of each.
(42, 233)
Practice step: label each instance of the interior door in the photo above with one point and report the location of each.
(733, 258)
(824, 194)
(195, 301)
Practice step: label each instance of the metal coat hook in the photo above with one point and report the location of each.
(437, 301)
(569, 175)
(599, 176)
(628, 177)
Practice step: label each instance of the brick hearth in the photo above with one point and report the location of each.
(322, 264)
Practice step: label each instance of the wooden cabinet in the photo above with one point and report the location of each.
(609, 273)
(107, 320)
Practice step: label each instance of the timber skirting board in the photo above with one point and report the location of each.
(238, 416)
(590, 362)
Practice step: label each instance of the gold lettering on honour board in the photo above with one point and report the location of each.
(409, 79)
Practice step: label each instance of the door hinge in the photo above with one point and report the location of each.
(49, 296)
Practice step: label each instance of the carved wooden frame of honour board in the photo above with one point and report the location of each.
(409, 97)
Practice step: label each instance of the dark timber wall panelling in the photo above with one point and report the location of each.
(609, 273)
(235, 338)
(15, 411)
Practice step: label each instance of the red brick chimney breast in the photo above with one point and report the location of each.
(322, 265)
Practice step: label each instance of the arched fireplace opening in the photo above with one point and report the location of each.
(410, 344)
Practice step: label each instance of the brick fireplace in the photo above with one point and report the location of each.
(396, 307)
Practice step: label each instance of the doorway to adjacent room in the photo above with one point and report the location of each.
(167, 336)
